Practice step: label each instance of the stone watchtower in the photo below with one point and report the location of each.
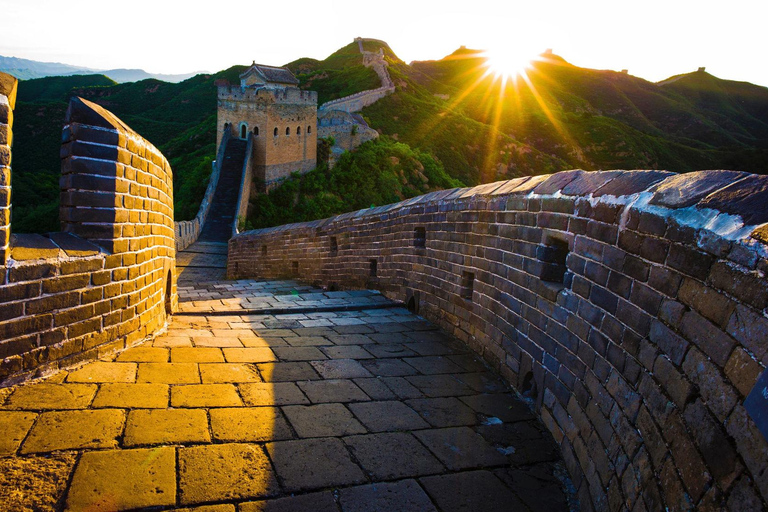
(281, 118)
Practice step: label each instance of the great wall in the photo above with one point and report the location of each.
(356, 102)
(627, 307)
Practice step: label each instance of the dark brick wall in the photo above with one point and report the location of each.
(107, 281)
(638, 357)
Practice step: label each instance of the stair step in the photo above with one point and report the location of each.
(218, 225)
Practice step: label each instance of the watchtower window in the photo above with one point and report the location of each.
(243, 130)
(298, 130)
(309, 130)
(256, 131)
(287, 130)
(275, 131)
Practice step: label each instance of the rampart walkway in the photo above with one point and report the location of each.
(357, 406)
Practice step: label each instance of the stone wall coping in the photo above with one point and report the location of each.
(736, 211)
(86, 112)
(32, 246)
(74, 246)
(8, 88)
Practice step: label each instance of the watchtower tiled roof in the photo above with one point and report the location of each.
(271, 74)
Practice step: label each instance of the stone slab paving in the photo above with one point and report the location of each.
(364, 407)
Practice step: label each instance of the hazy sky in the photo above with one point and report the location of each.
(654, 39)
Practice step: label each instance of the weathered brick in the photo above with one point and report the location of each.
(596, 273)
(630, 241)
(13, 292)
(713, 442)
(669, 342)
(626, 397)
(690, 261)
(651, 435)
(658, 404)
(606, 233)
(654, 249)
(687, 459)
(77, 266)
(64, 284)
(664, 280)
(646, 298)
(32, 272)
(675, 496)
(619, 284)
(671, 312)
(604, 299)
(634, 317)
(53, 302)
(673, 381)
(750, 329)
(652, 224)
(742, 370)
(636, 268)
(714, 342)
(748, 287)
(752, 446)
(718, 393)
(743, 496)
(711, 304)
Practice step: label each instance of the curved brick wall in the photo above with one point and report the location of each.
(105, 282)
(630, 307)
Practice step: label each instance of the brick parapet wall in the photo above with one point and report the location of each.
(108, 281)
(358, 101)
(638, 361)
(289, 95)
(246, 183)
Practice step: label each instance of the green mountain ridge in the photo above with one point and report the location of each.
(466, 124)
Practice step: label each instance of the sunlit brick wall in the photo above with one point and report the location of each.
(107, 281)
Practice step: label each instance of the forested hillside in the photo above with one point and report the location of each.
(461, 123)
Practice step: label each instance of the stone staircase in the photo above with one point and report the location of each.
(218, 225)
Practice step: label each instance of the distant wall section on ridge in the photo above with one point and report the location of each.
(630, 306)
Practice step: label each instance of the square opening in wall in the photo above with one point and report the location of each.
(420, 237)
(372, 267)
(334, 246)
(467, 285)
(553, 256)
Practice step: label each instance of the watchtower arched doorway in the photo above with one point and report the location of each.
(243, 130)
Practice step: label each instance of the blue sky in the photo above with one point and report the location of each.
(652, 39)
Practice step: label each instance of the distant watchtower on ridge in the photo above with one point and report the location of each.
(281, 118)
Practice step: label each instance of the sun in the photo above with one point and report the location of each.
(507, 61)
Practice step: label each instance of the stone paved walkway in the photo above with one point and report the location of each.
(357, 406)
